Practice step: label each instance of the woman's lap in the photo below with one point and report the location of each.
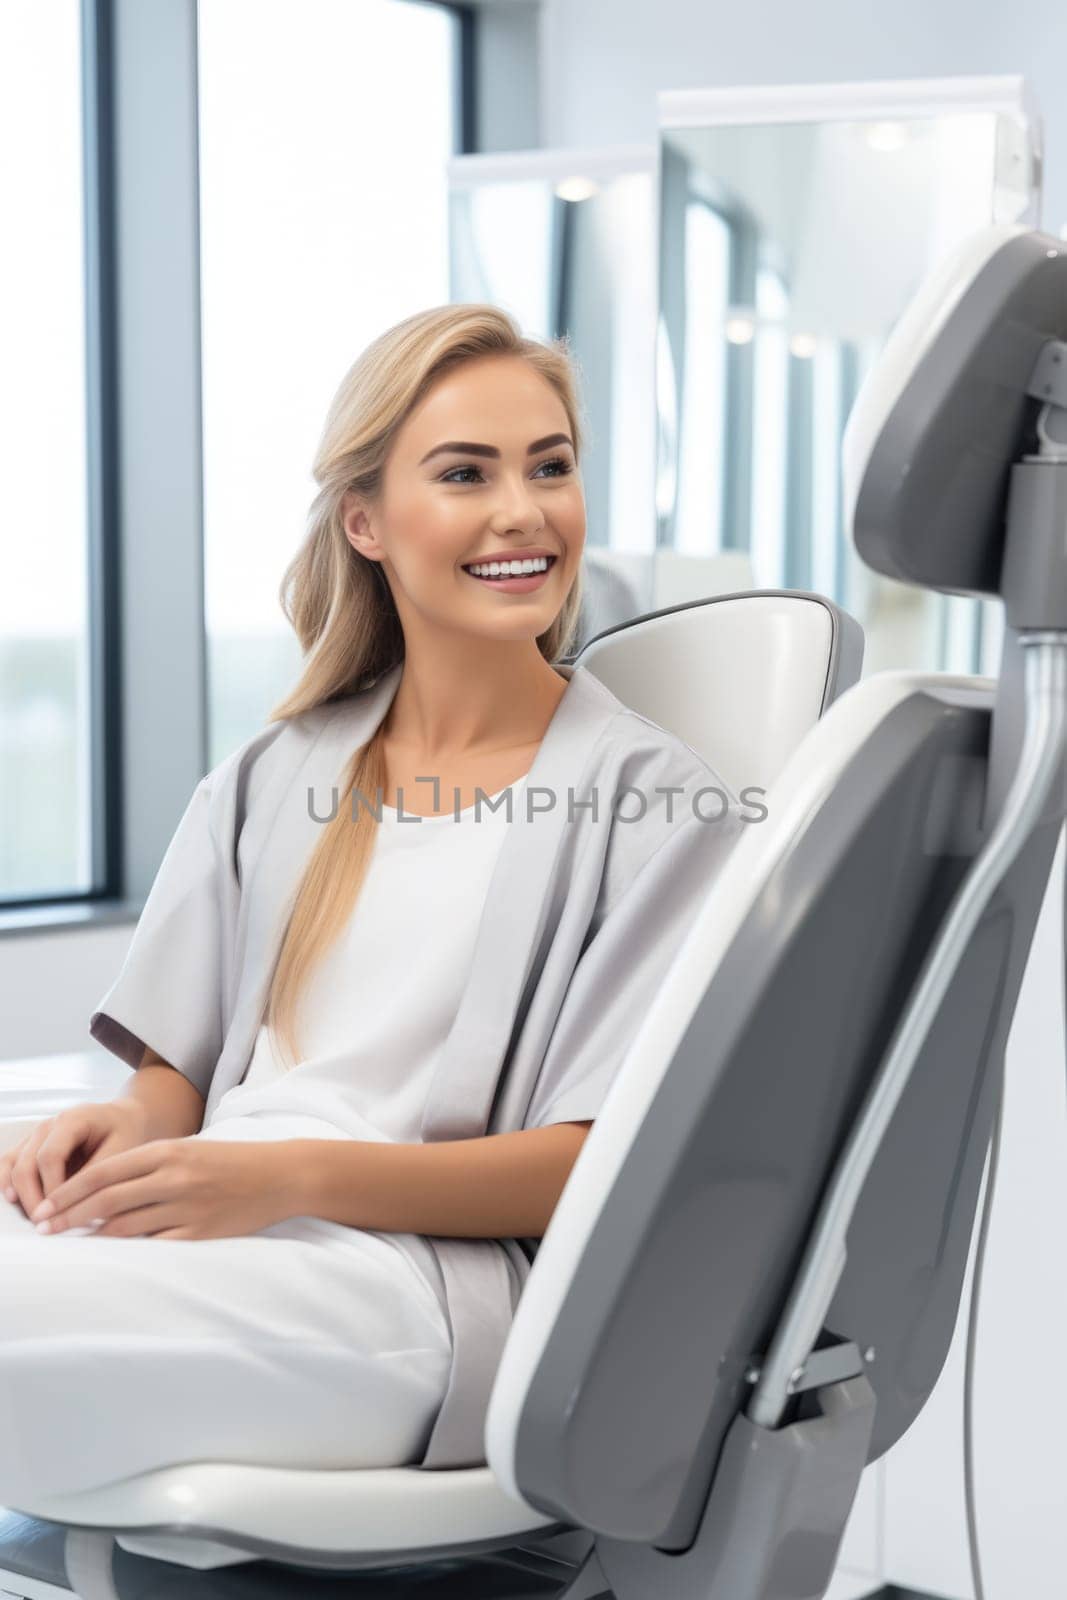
(119, 1355)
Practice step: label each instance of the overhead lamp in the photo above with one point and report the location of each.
(887, 136)
(740, 329)
(576, 188)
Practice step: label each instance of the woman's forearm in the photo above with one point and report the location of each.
(504, 1186)
(174, 1108)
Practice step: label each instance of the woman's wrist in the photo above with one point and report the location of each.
(173, 1108)
(292, 1178)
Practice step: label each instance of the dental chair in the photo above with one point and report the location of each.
(748, 1288)
(742, 678)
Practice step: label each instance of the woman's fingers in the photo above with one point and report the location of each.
(111, 1217)
(118, 1171)
(41, 1162)
(146, 1220)
(20, 1171)
(144, 1176)
(69, 1130)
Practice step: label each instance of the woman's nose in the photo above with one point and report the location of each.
(517, 506)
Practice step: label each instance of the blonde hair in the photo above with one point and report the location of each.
(342, 609)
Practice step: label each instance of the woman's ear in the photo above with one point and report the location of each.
(356, 524)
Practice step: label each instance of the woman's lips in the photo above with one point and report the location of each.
(521, 585)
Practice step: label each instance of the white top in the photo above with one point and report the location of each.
(378, 1007)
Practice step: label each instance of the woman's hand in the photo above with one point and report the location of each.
(175, 1189)
(57, 1147)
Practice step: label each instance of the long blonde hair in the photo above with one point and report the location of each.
(342, 609)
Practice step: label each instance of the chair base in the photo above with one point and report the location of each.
(90, 1562)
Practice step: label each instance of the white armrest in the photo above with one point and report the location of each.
(41, 1086)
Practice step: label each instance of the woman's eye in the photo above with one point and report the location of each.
(556, 461)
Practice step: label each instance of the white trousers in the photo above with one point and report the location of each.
(306, 1344)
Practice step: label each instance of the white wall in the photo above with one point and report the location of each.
(1020, 1403)
(51, 983)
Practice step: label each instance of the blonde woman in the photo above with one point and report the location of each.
(386, 974)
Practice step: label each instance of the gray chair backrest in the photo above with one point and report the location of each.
(645, 1368)
(778, 1025)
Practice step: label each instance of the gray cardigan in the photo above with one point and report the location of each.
(584, 912)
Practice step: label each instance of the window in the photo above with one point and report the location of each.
(325, 130)
(45, 811)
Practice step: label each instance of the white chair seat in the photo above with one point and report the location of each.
(276, 1511)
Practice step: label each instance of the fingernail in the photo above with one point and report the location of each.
(9, 1193)
(45, 1209)
(44, 1227)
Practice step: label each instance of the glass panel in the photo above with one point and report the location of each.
(770, 402)
(828, 228)
(45, 823)
(323, 222)
(698, 524)
(500, 237)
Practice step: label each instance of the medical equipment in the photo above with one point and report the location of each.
(749, 1285)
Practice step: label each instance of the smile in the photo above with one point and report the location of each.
(514, 577)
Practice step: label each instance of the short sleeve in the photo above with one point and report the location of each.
(169, 992)
(624, 964)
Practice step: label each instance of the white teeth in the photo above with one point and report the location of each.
(511, 569)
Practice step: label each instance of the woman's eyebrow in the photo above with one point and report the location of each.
(466, 448)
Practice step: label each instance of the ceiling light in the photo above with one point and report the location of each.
(740, 330)
(576, 188)
(887, 136)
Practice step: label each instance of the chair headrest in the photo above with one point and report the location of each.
(740, 677)
(945, 412)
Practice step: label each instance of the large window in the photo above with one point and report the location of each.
(211, 208)
(45, 847)
(325, 129)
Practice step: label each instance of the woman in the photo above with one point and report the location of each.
(436, 990)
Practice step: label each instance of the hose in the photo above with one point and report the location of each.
(972, 1348)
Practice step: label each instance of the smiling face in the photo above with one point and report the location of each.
(487, 497)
